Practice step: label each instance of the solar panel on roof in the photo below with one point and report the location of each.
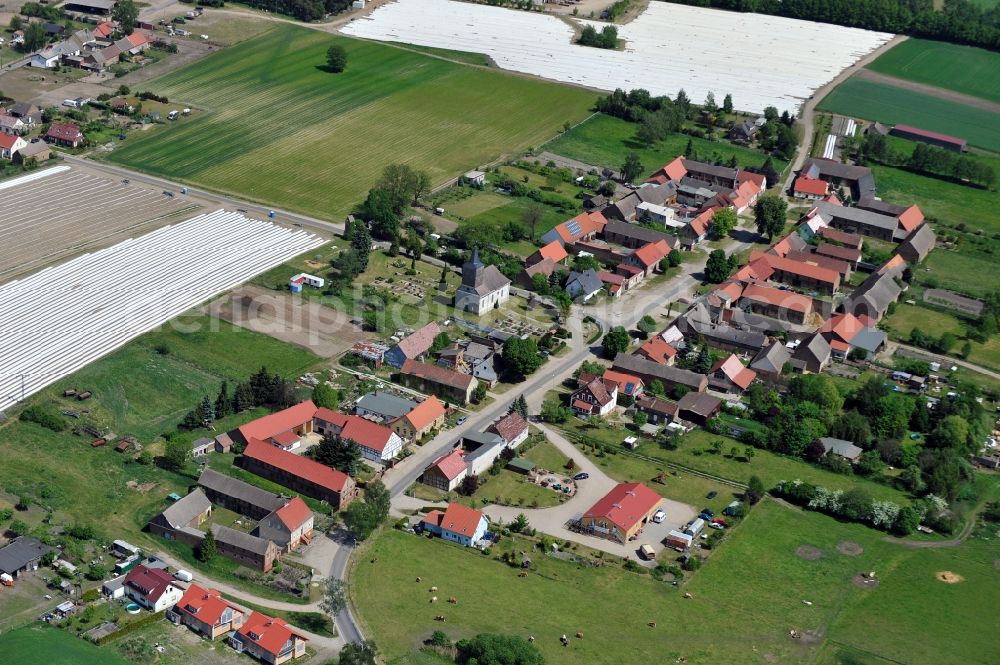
(573, 226)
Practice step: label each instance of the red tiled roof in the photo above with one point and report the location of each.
(510, 426)
(675, 170)
(929, 134)
(104, 29)
(598, 390)
(777, 297)
(425, 413)
(367, 434)
(652, 253)
(553, 251)
(843, 237)
(420, 341)
(844, 326)
(735, 371)
(812, 186)
(137, 39)
(582, 406)
(296, 465)
(625, 505)
(630, 269)
(588, 223)
(610, 277)
(150, 582)
(206, 605)
(437, 374)
(911, 218)
(7, 141)
(896, 261)
(832, 198)
(820, 260)
(802, 269)
(335, 418)
(461, 519)
(837, 345)
(64, 131)
(701, 223)
(276, 423)
(748, 176)
(450, 465)
(294, 514)
(270, 634)
(623, 381)
(285, 439)
(657, 350)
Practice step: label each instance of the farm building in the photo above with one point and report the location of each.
(413, 347)
(21, 555)
(377, 442)
(841, 448)
(298, 473)
(181, 519)
(238, 496)
(457, 523)
(650, 371)
(622, 512)
(445, 383)
(246, 548)
(952, 143)
(288, 526)
(698, 407)
(282, 428)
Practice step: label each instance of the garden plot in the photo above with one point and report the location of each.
(62, 318)
(760, 60)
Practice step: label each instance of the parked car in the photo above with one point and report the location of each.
(708, 511)
(581, 476)
(462, 420)
(659, 516)
(712, 494)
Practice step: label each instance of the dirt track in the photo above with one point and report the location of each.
(933, 91)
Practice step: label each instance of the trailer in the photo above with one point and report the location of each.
(695, 527)
(678, 541)
(297, 282)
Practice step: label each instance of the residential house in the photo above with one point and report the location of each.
(812, 355)
(811, 257)
(658, 411)
(181, 519)
(383, 407)
(288, 526)
(29, 114)
(121, 105)
(632, 274)
(10, 145)
(206, 612)
(594, 398)
(283, 428)
(445, 383)
(651, 213)
(696, 231)
(730, 376)
(628, 385)
(376, 442)
(425, 418)
(634, 236)
(909, 218)
(743, 132)
(11, 124)
(627, 208)
(298, 473)
(483, 287)
(512, 428)
(64, 134)
(585, 226)
(413, 347)
(545, 268)
(238, 496)
(658, 351)
(584, 285)
(797, 273)
(841, 448)
(457, 523)
(553, 251)
(152, 588)
(622, 512)
(810, 189)
(647, 258)
(268, 639)
(36, 149)
(918, 244)
(650, 371)
(446, 472)
(616, 284)
(250, 550)
(698, 407)
(475, 178)
(769, 363)
(471, 358)
(21, 555)
(776, 303)
(858, 179)
(698, 322)
(481, 450)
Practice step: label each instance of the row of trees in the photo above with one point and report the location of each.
(304, 10)
(926, 160)
(262, 389)
(959, 21)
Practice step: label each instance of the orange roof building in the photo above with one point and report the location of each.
(554, 251)
(269, 639)
(658, 351)
(447, 471)
(730, 375)
(426, 417)
(298, 473)
(622, 512)
(457, 523)
(841, 327)
(778, 304)
(206, 612)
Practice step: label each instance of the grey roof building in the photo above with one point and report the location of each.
(187, 510)
(238, 496)
(875, 295)
(771, 359)
(583, 284)
(383, 406)
(483, 287)
(650, 371)
(869, 339)
(812, 355)
(858, 178)
(857, 220)
(918, 244)
(21, 555)
(842, 448)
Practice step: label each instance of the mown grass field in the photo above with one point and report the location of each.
(745, 599)
(140, 391)
(44, 645)
(605, 141)
(890, 104)
(278, 128)
(965, 69)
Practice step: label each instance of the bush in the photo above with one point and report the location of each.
(47, 417)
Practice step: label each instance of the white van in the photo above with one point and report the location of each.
(173, 115)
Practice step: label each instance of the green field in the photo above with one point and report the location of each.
(940, 200)
(604, 141)
(43, 645)
(965, 69)
(141, 391)
(273, 126)
(890, 104)
(745, 599)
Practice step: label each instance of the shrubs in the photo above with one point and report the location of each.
(855, 505)
(45, 416)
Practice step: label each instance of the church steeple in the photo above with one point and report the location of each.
(472, 271)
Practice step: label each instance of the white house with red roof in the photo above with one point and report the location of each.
(10, 144)
(377, 442)
(269, 639)
(288, 526)
(283, 428)
(458, 523)
(512, 428)
(621, 513)
(206, 612)
(447, 471)
(152, 588)
(729, 375)
(594, 398)
(658, 350)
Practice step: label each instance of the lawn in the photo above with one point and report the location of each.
(45, 645)
(745, 599)
(930, 321)
(940, 200)
(890, 104)
(605, 141)
(278, 128)
(965, 69)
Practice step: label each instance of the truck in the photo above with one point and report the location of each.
(647, 552)
(695, 527)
